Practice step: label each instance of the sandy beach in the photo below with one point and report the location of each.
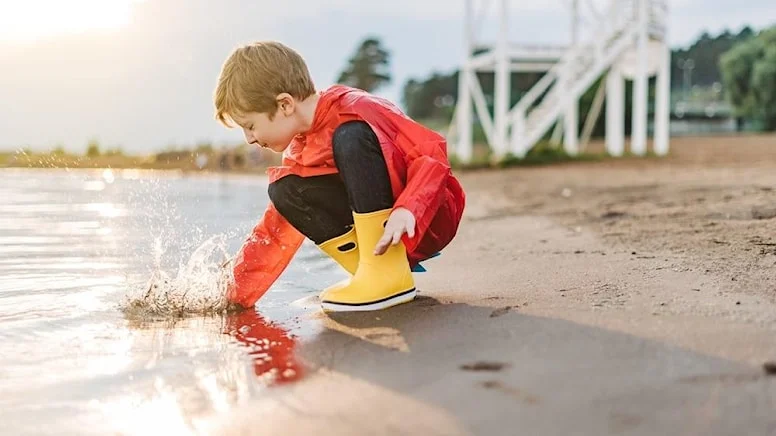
(631, 296)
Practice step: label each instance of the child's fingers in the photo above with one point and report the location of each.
(397, 236)
(392, 236)
(382, 244)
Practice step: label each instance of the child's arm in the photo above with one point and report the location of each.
(263, 257)
(424, 192)
(427, 173)
(416, 206)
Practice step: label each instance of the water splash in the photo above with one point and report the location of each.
(198, 287)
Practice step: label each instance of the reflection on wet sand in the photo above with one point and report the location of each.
(270, 346)
(187, 371)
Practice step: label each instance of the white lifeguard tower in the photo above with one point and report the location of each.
(627, 39)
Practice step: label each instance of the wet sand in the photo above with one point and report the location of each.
(631, 296)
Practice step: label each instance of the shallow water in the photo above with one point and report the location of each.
(75, 245)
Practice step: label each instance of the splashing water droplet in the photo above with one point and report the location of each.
(198, 287)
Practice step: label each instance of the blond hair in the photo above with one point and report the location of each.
(253, 76)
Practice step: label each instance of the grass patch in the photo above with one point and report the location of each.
(542, 153)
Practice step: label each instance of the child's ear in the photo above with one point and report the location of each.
(286, 103)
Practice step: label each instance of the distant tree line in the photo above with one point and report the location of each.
(705, 54)
(749, 75)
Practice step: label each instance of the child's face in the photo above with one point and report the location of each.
(275, 134)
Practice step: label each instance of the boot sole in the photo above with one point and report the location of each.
(404, 297)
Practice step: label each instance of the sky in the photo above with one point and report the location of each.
(139, 74)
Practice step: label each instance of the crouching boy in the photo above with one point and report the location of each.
(370, 187)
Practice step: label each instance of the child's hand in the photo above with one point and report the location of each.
(400, 222)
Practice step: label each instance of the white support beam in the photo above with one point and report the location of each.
(571, 127)
(483, 61)
(464, 150)
(640, 82)
(517, 143)
(522, 67)
(482, 110)
(464, 118)
(571, 113)
(615, 112)
(593, 115)
(662, 103)
(501, 100)
(537, 52)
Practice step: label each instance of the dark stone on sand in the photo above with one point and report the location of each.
(613, 214)
(484, 366)
(770, 368)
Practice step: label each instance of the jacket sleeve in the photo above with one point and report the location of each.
(423, 194)
(263, 257)
(427, 175)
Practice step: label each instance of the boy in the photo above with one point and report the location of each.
(370, 187)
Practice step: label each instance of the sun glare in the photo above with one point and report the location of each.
(30, 20)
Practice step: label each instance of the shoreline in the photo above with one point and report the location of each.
(155, 172)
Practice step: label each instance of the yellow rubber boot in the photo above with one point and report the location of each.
(380, 281)
(344, 250)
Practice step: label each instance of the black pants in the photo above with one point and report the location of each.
(321, 207)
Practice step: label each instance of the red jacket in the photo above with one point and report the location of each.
(420, 174)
